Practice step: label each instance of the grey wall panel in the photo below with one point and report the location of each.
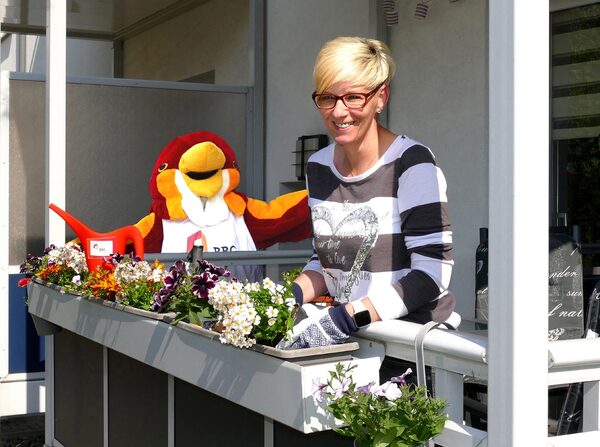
(288, 437)
(205, 419)
(78, 391)
(27, 169)
(137, 403)
(114, 134)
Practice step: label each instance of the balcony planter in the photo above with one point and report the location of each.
(274, 383)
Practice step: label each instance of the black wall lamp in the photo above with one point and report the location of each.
(306, 145)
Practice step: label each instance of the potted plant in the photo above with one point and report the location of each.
(123, 279)
(197, 292)
(253, 312)
(185, 291)
(393, 414)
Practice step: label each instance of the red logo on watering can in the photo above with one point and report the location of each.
(101, 247)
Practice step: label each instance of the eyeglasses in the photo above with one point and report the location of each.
(350, 100)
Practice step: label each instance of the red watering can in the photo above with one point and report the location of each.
(98, 246)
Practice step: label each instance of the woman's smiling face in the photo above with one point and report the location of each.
(349, 126)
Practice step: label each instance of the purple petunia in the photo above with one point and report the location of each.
(319, 390)
(342, 389)
(31, 264)
(401, 379)
(202, 283)
(389, 390)
(213, 269)
(49, 248)
(161, 298)
(176, 275)
(117, 257)
(366, 389)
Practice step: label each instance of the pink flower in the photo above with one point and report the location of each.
(319, 390)
(344, 386)
(388, 390)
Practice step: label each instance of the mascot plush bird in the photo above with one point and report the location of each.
(193, 197)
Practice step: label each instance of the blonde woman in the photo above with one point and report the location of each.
(382, 239)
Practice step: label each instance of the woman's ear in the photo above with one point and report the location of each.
(383, 96)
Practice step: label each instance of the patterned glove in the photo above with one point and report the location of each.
(323, 327)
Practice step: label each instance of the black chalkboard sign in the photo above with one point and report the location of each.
(565, 286)
(481, 276)
(565, 289)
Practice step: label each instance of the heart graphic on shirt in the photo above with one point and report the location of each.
(368, 219)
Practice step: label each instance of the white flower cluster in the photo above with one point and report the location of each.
(236, 312)
(127, 272)
(277, 291)
(68, 256)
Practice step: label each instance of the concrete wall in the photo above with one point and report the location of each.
(439, 96)
(85, 57)
(213, 36)
(295, 33)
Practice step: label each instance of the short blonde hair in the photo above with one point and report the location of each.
(358, 60)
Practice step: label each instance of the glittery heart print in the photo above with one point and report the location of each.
(368, 219)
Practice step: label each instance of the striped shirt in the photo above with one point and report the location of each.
(384, 234)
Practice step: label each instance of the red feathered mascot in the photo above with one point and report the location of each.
(193, 197)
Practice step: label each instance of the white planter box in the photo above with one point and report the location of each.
(272, 386)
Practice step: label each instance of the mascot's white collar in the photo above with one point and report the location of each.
(203, 212)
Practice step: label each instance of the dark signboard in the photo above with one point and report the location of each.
(565, 286)
(565, 289)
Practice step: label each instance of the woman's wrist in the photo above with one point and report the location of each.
(298, 293)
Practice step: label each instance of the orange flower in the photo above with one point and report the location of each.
(103, 284)
(46, 272)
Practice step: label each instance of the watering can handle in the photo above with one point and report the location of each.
(138, 241)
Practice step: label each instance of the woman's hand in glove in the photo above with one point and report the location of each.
(322, 327)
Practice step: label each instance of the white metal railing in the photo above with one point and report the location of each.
(454, 355)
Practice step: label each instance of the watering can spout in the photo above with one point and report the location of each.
(98, 246)
(76, 225)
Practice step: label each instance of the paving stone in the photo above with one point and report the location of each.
(22, 431)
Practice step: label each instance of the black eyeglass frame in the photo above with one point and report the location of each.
(367, 97)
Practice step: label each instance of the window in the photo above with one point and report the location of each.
(575, 124)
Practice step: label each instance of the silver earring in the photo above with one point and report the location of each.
(378, 110)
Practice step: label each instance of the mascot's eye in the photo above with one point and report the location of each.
(162, 167)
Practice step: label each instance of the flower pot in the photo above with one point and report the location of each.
(332, 353)
(44, 327)
(275, 384)
(430, 444)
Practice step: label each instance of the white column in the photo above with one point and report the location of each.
(56, 25)
(4, 219)
(518, 220)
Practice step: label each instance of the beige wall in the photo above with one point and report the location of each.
(213, 36)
